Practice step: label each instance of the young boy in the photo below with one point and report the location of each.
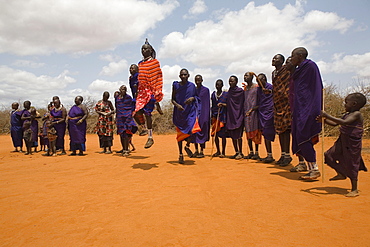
(27, 137)
(218, 114)
(345, 155)
(52, 137)
(126, 126)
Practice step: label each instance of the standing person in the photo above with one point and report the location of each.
(29, 114)
(345, 155)
(52, 139)
(27, 136)
(59, 115)
(282, 111)
(235, 116)
(185, 111)
(202, 136)
(126, 126)
(149, 89)
(134, 84)
(104, 126)
(44, 129)
(77, 126)
(266, 115)
(251, 122)
(218, 115)
(16, 131)
(307, 103)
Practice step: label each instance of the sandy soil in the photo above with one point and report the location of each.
(148, 199)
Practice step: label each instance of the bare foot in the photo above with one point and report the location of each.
(353, 193)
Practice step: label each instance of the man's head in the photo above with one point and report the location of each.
(298, 56)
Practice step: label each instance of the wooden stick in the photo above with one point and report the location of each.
(323, 135)
(213, 137)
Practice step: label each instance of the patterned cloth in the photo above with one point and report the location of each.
(215, 100)
(150, 83)
(104, 126)
(345, 155)
(282, 112)
(124, 120)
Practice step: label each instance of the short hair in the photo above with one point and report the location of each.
(262, 74)
(301, 51)
(236, 78)
(282, 57)
(220, 80)
(359, 98)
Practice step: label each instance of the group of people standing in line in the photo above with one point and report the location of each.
(290, 106)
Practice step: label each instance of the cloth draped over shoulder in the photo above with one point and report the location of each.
(235, 110)
(60, 127)
(219, 112)
(307, 104)
(251, 122)
(186, 121)
(204, 114)
(77, 133)
(150, 83)
(34, 125)
(266, 112)
(345, 155)
(124, 108)
(282, 111)
(16, 130)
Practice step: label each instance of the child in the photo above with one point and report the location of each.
(345, 155)
(43, 139)
(27, 136)
(126, 126)
(218, 112)
(52, 137)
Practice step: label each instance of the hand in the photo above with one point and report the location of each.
(319, 119)
(248, 113)
(244, 86)
(221, 104)
(267, 91)
(179, 107)
(189, 100)
(79, 122)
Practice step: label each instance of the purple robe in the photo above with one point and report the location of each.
(251, 122)
(307, 104)
(345, 155)
(185, 120)
(223, 111)
(266, 112)
(77, 133)
(60, 128)
(235, 112)
(16, 131)
(204, 119)
(134, 84)
(124, 108)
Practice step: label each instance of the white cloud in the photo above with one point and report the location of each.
(359, 64)
(20, 85)
(110, 57)
(44, 27)
(98, 87)
(199, 7)
(114, 68)
(246, 40)
(27, 64)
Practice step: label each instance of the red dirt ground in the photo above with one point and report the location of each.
(148, 199)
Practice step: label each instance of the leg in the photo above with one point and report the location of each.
(354, 191)
(158, 107)
(217, 143)
(240, 149)
(223, 147)
(149, 123)
(250, 146)
(181, 156)
(235, 145)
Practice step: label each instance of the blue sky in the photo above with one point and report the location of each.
(85, 47)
